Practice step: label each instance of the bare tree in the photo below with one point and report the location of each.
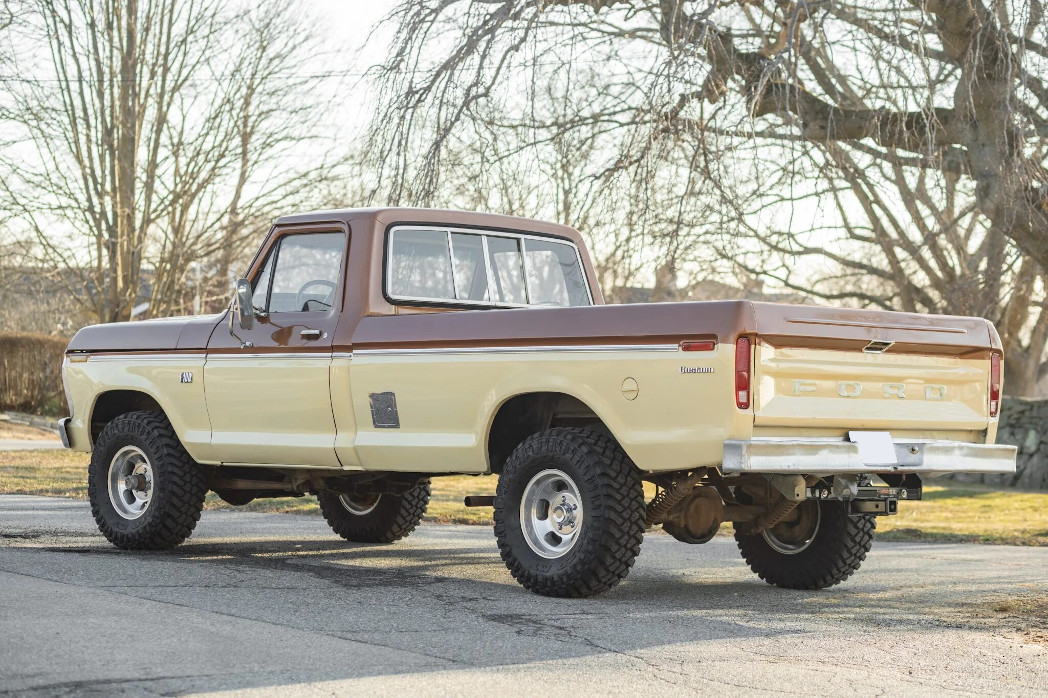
(150, 139)
(922, 126)
(980, 106)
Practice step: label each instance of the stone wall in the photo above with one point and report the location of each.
(1023, 423)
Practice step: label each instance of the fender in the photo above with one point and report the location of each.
(174, 381)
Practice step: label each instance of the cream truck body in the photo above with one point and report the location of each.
(377, 375)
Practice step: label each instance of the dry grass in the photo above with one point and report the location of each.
(950, 513)
(970, 514)
(23, 432)
(56, 473)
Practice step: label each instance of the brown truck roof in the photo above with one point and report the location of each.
(388, 215)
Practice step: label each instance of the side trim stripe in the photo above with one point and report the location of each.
(584, 348)
(273, 355)
(519, 350)
(176, 358)
(135, 356)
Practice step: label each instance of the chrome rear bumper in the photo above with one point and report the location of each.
(812, 457)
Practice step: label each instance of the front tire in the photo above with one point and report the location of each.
(376, 518)
(146, 491)
(818, 546)
(569, 513)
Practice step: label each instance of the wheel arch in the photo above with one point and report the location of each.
(522, 414)
(110, 404)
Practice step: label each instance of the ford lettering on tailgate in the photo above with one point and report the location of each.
(857, 389)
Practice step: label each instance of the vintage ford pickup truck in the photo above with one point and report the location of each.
(367, 351)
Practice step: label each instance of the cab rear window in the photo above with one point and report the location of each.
(448, 266)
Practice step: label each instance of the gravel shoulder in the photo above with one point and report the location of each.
(269, 604)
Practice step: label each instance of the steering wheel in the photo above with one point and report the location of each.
(315, 282)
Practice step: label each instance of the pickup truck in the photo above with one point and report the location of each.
(368, 351)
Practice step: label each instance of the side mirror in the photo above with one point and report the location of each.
(242, 306)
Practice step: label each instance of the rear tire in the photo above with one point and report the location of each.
(789, 557)
(146, 491)
(380, 518)
(569, 513)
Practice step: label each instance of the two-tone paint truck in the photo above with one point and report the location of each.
(368, 351)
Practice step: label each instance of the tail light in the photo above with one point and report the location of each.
(995, 384)
(742, 373)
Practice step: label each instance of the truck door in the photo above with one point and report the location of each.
(267, 388)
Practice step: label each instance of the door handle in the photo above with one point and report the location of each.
(310, 334)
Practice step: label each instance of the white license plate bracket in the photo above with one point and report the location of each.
(875, 447)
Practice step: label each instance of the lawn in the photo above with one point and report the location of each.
(14, 430)
(949, 513)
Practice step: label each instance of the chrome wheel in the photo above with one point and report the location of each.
(359, 504)
(551, 513)
(797, 531)
(130, 482)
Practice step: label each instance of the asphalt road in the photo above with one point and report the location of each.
(264, 603)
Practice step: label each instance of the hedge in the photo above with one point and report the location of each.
(31, 373)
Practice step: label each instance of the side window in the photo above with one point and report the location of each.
(420, 265)
(301, 274)
(554, 274)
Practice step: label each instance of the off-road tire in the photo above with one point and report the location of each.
(837, 550)
(394, 516)
(612, 498)
(179, 484)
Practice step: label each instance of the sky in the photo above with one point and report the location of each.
(347, 25)
(351, 21)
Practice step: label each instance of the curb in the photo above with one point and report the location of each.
(30, 420)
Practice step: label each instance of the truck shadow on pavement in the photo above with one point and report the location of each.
(442, 600)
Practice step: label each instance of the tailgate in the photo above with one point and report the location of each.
(854, 369)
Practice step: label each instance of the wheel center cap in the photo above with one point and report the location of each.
(563, 513)
(136, 482)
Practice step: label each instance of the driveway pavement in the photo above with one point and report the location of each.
(275, 604)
